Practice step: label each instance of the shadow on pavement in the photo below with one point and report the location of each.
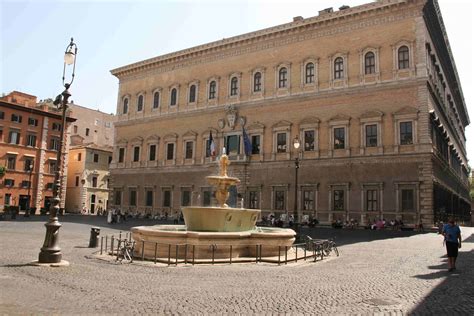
(454, 294)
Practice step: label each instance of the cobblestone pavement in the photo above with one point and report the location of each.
(381, 272)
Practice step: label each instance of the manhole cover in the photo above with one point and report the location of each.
(380, 301)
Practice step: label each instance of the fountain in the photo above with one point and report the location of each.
(211, 231)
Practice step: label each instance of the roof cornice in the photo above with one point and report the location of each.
(252, 37)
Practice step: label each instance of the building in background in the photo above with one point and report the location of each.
(88, 180)
(92, 138)
(29, 140)
(371, 92)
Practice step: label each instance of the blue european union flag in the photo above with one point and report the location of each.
(247, 143)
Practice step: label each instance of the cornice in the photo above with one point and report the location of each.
(205, 52)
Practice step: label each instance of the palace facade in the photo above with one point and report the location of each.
(371, 93)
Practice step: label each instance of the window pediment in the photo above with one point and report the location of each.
(122, 141)
(153, 139)
(172, 137)
(407, 111)
(282, 125)
(340, 118)
(255, 127)
(189, 135)
(312, 120)
(371, 114)
(136, 140)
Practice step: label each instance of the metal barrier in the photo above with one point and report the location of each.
(311, 249)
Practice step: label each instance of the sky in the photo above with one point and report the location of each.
(115, 33)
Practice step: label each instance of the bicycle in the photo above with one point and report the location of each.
(125, 250)
(330, 245)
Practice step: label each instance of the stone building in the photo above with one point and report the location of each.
(29, 140)
(371, 93)
(92, 138)
(88, 178)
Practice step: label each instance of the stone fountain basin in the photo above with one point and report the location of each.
(175, 241)
(219, 219)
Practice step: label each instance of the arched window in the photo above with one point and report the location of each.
(140, 103)
(282, 78)
(309, 73)
(212, 90)
(338, 68)
(192, 94)
(369, 61)
(125, 106)
(174, 93)
(156, 100)
(403, 58)
(234, 86)
(257, 82)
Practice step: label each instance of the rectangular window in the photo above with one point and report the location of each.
(167, 198)
(149, 198)
(54, 143)
(281, 142)
(14, 137)
(308, 140)
(338, 200)
(189, 150)
(255, 144)
(87, 132)
(9, 182)
(133, 198)
(94, 182)
(11, 162)
(339, 138)
(31, 140)
(52, 166)
(152, 153)
(371, 135)
(206, 200)
(77, 181)
(79, 156)
(136, 153)
(170, 151)
(121, 154)
(8, 198)
(308, 200)
(109, 160)
(49, 186)
(232, 145)
(185, 198)
(32, 121)
(371, 200)
(118, 197)
(96, 157)
(279, 200)
(254, 200)
(75, 129)
(16, 118)
(408, 201)
(56, 127)
(25, 184)
(406, 133)
(2, 115)
(29, 164)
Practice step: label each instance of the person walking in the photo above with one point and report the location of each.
(452, 238)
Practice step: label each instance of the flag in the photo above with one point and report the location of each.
(212, 146)
(247, 143)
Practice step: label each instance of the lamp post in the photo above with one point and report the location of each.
(50, 252)
(28, 207)
(296, 145)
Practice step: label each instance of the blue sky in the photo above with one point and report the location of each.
(110, 34)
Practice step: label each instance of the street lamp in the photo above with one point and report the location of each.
(296, 145)
(28, 207)
(50, 252)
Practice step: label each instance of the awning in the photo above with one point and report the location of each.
(12, 153)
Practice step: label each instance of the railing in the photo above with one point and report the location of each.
(175, 254)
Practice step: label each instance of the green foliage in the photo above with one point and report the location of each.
(3, 170)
